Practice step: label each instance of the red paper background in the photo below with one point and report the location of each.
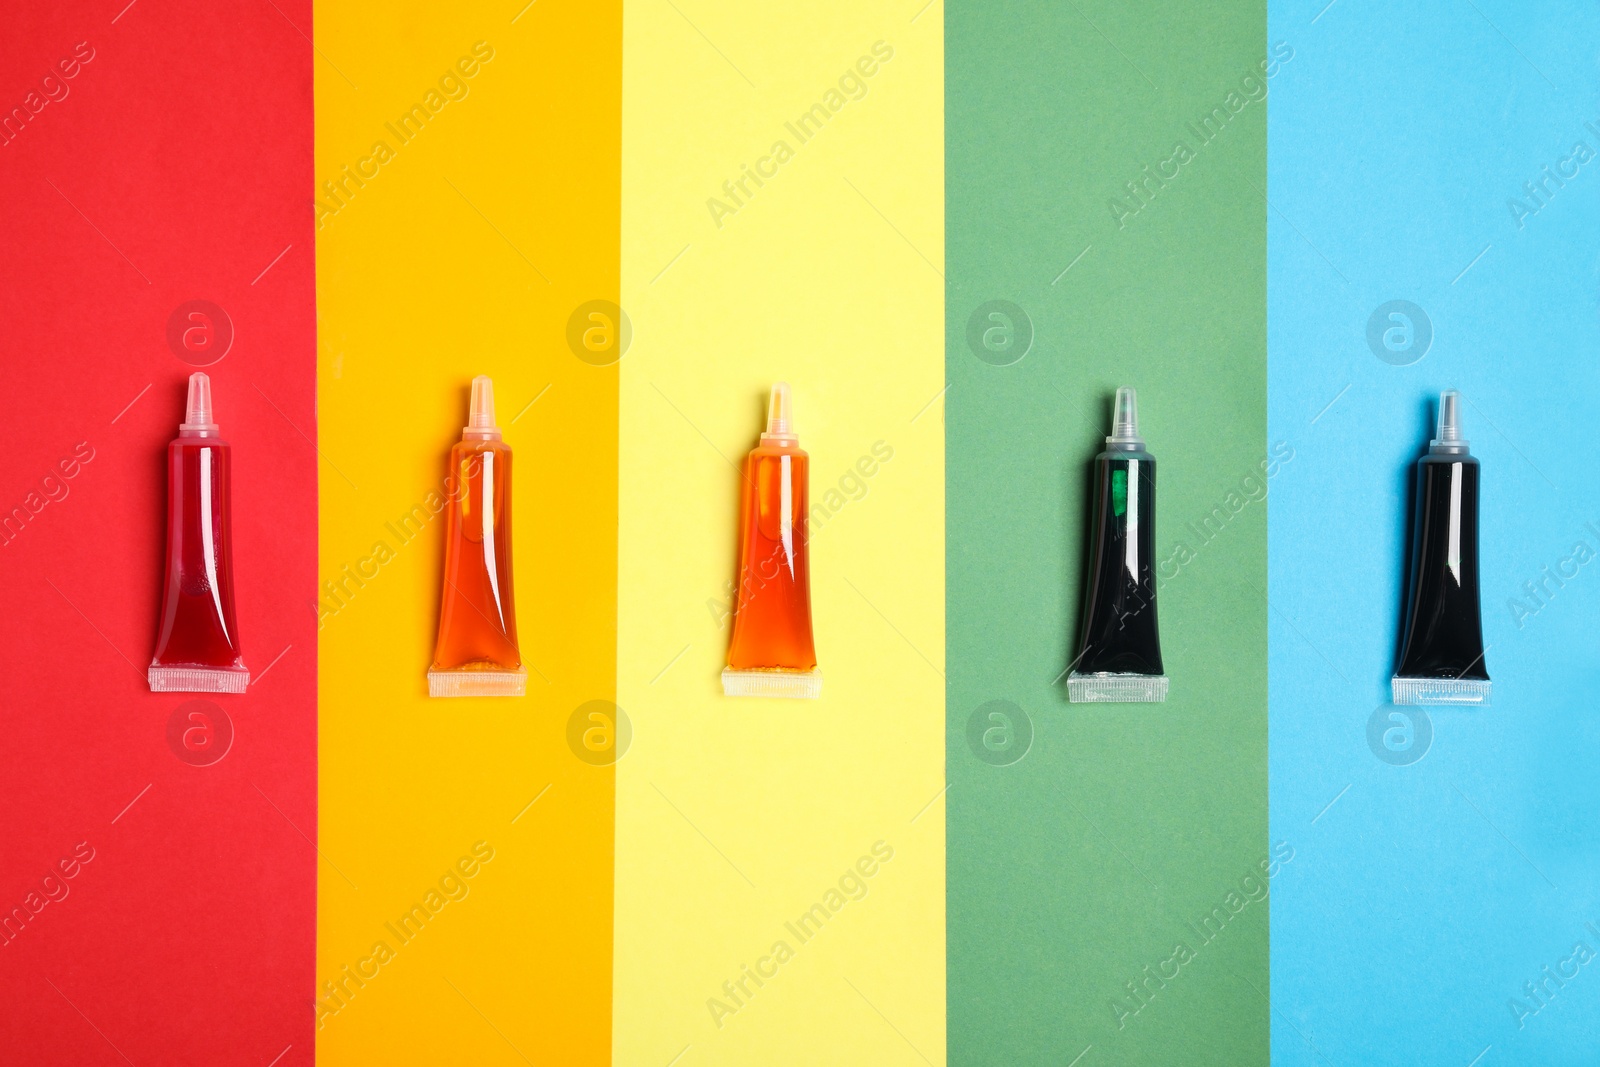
(184, 148)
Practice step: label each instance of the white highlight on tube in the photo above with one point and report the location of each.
(786, 510)
(208, 543)
(1453, 553)
(1130, 557)
(486, 520)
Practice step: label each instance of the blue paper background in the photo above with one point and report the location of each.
(1420, 902)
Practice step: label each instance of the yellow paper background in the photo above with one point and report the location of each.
(734, 816)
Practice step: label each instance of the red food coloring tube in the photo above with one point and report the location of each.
(198, 647)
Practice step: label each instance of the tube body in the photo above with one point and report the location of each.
(1441, 651)
(197, 649)
(772, 619)
(772, 616)
(477, 653)
(1119, 649)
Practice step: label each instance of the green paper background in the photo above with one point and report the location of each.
(1074, 867)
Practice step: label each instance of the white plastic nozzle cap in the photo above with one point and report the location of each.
(780, 423)
(480, 420)
(1125, 423)
(197, 417)
(1449, 439)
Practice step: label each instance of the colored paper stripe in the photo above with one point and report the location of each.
(467, 182)
(627, 866)
(736, 818)
(153, 841)
(1087, 842)
(1465, 261)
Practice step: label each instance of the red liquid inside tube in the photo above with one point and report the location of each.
(197, 649)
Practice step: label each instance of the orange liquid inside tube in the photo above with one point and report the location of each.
(772, 652)
(477, 654)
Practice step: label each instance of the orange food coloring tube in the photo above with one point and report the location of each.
(772, 653)
(477, 653)
(197, 650)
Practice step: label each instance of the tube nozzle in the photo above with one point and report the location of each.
(1125, 423)
(780, 425)
(197, 421)
(480, 420)
(1448, 439)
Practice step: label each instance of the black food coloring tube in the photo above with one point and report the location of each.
(1119, 650)
(1441, 650)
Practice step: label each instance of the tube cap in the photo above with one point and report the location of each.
(1449, 440)
(1125, 423)
(780, 423)
(480, 420)
(197, 418)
